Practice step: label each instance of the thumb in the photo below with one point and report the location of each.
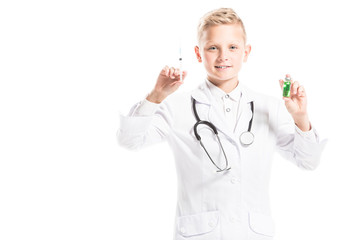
(281, 82)
(184, 74)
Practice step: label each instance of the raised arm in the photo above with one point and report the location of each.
(149, 121)
(300, 143)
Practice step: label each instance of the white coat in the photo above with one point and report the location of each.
(231, 205)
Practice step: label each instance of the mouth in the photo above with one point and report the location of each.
(222, 67)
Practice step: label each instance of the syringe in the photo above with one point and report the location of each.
(180, 63)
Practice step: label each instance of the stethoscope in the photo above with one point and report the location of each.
(246, 138)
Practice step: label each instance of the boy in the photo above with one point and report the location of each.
(223, 178)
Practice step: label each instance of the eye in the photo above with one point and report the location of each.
(212, 48)
(233, 47)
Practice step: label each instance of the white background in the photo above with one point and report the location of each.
(69, 68)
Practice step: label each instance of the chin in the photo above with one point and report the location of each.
(226, 78)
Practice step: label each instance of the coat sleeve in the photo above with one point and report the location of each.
(147, 123)
(302, 148)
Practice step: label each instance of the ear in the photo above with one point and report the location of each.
(247, 52)
(197, 52)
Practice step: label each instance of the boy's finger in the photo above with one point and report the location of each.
(184, 73)
(177, 72)
(286, 99)
(178, 81)
(171, 74)
(281, 83)
(165, 70)
(301, 91)
(294, 87)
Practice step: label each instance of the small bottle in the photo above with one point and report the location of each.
(286, 87)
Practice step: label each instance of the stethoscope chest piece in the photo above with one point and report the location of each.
(246, 138)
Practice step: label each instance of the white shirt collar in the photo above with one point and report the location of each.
(218, 93)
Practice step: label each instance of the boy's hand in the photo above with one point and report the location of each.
(167, 83)
(296, 104)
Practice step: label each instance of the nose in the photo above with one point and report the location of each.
(223, 56)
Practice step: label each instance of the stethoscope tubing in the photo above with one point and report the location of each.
(214, 129)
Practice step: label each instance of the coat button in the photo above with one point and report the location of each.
(182, 230)
(211, 224)
(228, 110)
(234, 219)
(233, 180)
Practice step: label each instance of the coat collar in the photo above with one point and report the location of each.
(203, 95)
(218, 93)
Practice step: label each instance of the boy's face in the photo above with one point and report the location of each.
(222, 50)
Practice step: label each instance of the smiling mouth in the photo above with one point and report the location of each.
(222, 67)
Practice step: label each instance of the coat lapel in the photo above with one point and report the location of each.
(245, 114)
(207, 111)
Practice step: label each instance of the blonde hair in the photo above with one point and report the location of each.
(218, 17)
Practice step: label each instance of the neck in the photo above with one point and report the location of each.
(226, 85)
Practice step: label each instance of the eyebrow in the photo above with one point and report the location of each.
(214, 43)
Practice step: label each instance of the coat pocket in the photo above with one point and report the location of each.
(261, 224)
(204, 225)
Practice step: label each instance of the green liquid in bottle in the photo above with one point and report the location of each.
(286, 87)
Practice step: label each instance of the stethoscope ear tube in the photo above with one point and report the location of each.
(194, 110)
(252, 116)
